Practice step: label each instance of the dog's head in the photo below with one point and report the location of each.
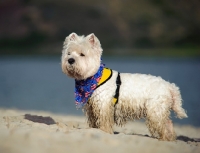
(81, 56)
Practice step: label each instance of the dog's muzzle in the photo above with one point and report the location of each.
(71, 61)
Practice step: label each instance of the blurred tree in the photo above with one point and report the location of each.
(117, 23)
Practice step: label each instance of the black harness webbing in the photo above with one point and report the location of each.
(118, 83)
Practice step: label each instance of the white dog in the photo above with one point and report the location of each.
(109, 97)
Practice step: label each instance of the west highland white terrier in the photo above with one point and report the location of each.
(109, 97)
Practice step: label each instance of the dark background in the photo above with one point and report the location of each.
(134, 27)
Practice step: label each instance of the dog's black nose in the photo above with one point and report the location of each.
(71, 61)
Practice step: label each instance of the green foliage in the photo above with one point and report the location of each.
(118, 24)
(22, 44)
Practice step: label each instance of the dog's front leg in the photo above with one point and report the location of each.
(100, 116)
(107, 119)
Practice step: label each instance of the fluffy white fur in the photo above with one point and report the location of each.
(141, 96)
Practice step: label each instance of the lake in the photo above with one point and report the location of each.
(37, 82)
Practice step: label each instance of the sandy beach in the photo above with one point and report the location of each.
(44, 132)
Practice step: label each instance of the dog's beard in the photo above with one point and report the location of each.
(73, 72)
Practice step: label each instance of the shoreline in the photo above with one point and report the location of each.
(34, 131)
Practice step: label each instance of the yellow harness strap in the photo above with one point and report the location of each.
(114, 101)
(106, 75)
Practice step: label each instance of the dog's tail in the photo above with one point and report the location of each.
(177, 102)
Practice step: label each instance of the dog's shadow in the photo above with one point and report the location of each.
(180, 137)
(39, 119)
(187, 139)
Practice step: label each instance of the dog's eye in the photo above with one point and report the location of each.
(82, 54)
(68, 53)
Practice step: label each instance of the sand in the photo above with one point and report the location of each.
(44, 132)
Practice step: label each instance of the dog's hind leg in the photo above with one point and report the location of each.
(158, 122)
(161, 129)
(168, 131)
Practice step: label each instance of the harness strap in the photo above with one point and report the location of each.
(118, 83)
(106, 75)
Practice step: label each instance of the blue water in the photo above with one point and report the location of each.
(37, 83)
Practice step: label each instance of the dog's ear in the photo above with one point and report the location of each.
(93, 40)
(72, 37)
